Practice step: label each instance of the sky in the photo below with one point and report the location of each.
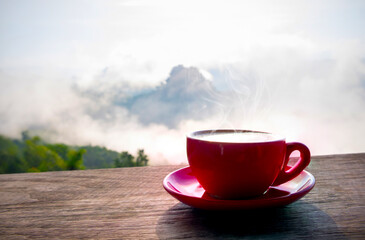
(142, 74)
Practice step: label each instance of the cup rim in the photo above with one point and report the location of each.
(193, 135)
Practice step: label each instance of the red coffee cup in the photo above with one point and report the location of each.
(238, 164)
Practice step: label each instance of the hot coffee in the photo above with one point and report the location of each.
(236, 164)
(237, 137)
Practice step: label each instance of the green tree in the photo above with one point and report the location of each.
(40, 158)
(99, 157)
(61, 149)
(73, 158)
(125, 160)
(142, 158)
(11, 161)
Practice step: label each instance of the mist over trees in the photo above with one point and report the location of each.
(33, 154)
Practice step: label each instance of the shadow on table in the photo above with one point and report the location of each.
(294, 221)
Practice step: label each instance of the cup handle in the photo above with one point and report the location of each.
(294, 171)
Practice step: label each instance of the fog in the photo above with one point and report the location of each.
(130, 75)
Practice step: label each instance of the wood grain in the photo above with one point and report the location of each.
(130, 203)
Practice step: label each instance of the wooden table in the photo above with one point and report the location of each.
(130, 203)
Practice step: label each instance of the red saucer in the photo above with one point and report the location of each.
(182, 185)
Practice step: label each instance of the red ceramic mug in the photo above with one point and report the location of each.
(237, 164)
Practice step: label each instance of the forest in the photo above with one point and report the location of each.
(33, 154)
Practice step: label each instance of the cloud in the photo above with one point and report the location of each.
(317, 99)
(184, 95)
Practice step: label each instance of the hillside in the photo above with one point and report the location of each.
(33, 154)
